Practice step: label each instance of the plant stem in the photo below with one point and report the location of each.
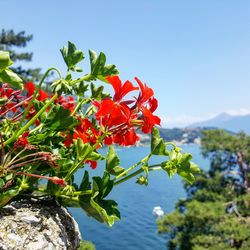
(80, 103)
(87, 77)
(15, 157)
(36, 128)
(144, 160)
(139, 171)
(73, 169)
(87, 192)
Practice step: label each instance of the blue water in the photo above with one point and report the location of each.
(137, 228)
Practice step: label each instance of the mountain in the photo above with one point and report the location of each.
(228, 122)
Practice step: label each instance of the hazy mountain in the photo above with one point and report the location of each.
(226, 121)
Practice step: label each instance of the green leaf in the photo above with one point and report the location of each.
(102, 186)
(59, 119)
(7, 196)
(110, 69)
(158, 146)
(194, 168)
(117, 170)
(1, 183)
(187, 176)
(5, 61)
(85, 184)
(107, 184)
(80, 88)
(99, 64)
(98, 67)
(112, 159)
(170, 167)
(92, 58)
(61, 86)
(97, 93)
(72, 56)
(12, 78)
(83, 150)
(181, 164)
(38, 138)
(184, 161)
(94, 156)
(104, 211)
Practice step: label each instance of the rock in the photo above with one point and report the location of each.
(37, 225)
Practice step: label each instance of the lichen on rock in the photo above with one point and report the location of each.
(37, 225)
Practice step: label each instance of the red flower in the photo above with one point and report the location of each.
(147, 104)
(145, 94)
(115, 111)
(86, 131)
(68, 140)
(127, 137)
(30, 87)
(119, 117)
(111, 113)
(120, 89)
(11, 100)
(66, 102)
(22, 141)
(42, 95)
(93, 164)
(149, 120)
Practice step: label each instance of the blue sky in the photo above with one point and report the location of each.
(194, 54)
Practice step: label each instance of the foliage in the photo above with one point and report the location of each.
(216, 214)
(10, 39)
(86, 245)
(52, 136)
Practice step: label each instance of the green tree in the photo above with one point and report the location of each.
(13, 42)
(216, 214)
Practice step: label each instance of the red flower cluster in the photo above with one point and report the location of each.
(11, 100)
(120, 117)
(22, 141)
(87, 133)
(30, 87)
(66, 102)
(117, 117)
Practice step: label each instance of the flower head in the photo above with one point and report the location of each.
(22, 141)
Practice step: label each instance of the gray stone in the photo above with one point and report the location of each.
(37, 225)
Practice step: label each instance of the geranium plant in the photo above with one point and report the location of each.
(51, 135)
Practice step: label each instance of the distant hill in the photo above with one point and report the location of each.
(226, 121)
(181, 135)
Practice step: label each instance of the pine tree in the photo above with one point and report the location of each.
(11, 41)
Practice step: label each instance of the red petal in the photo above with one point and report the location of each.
(153, 104)
(108, 141)
(30, 87)
(146, 92)
(93, 164)
(42, 95)
(126, 88)
(115, 82)
(120, 90)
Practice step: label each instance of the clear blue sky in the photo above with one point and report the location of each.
(195, 54)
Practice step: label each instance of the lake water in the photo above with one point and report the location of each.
(137, 228)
